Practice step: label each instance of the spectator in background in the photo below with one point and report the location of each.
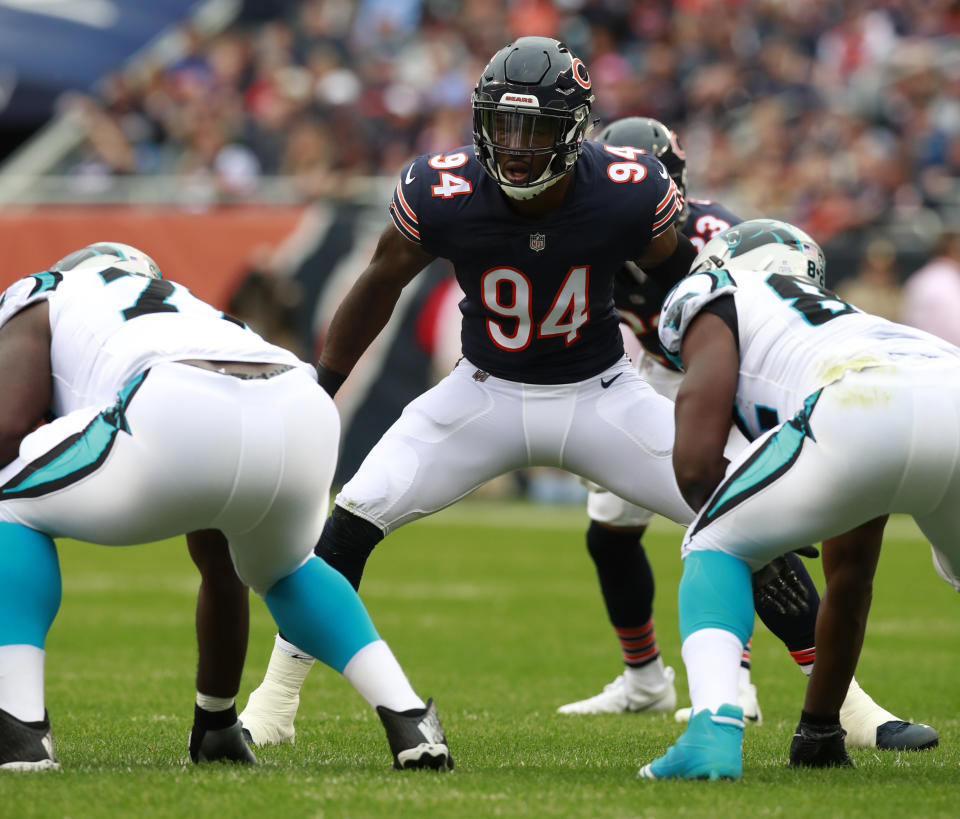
(931, 296)
(876, 286)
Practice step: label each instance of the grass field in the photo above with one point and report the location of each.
(493, 609)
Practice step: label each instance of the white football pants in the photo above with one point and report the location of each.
(185, 449)
(472, 427)
(879, 441)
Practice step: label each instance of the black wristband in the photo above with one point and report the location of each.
(329, 379)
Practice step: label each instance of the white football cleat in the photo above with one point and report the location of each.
(746, 699)
(623, 696)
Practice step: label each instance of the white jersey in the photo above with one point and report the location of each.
(107, 326)
(793, 336)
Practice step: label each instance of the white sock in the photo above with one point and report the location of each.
(21, 681)
(712, 657)
(288, 666)
(379, 679)
(288, 648)
(744, 678)
(208, 703)
(649, 676)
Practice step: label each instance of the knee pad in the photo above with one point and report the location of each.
(715, 592)
(29, 585)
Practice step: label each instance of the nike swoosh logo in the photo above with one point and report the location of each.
(606, 384)
(409, 178)
(663, 172)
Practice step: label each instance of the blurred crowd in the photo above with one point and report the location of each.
(842, 116)
(830, 113)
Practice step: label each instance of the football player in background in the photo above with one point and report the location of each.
(171, 417)
(756, 330)
(785, 598)
(536, 222)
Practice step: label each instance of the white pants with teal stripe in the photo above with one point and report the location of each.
(879, 441)
(184, 449)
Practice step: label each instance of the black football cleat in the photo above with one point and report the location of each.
(898, 735)
(26, 746)
(217, 736)
(819, 746)
(416, 738)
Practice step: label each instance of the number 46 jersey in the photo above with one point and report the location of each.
(794, 337)
(107, 326)
(538, 304)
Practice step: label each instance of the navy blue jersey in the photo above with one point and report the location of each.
(538, 303)
(639, 298)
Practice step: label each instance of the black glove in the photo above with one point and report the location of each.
(808, 551)
(776, 585)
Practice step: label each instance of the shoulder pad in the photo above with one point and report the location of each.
(686, 300)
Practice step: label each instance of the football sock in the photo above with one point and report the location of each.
(214, 719)
(21, 682)
(648, 676)
(30, 594)
(346, 543)
(638, 646)
(715, 592)
(318, 610)
(796, 631)
(805, 658)
(745, 661)
(286, 647)
(380, 680)
(712, 658)
(626, 582)
(288, 666)
(29, 585)
(208, 703)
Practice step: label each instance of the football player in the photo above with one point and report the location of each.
(757, 331)
(170, 417)
(786, 598)
(537, 221)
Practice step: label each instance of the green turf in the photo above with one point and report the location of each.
(493, 609)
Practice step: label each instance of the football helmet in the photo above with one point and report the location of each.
(110, 254)
(531, 113)
(764, 244)
(656, 139)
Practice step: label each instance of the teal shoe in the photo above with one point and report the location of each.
(710, 748)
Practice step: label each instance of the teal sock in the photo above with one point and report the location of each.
(318, 610)
(715, 592)
(29, 585)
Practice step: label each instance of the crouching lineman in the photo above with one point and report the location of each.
(170, 418)
(756, 330)
(785, 596)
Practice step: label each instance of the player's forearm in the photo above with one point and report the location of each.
(849, 563)
(357, 322)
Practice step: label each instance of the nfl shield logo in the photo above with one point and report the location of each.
(538, 241)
